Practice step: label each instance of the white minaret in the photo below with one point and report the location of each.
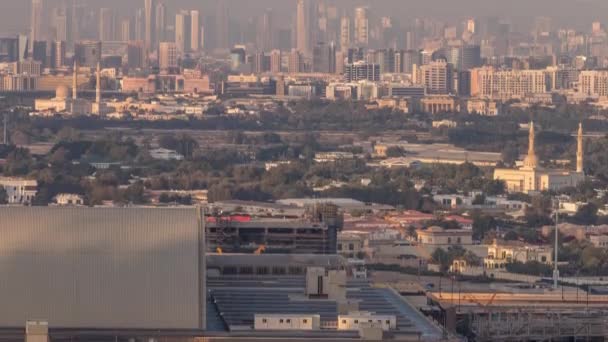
(531, 161)
(75, 81)
(580, 153)
(98, 87)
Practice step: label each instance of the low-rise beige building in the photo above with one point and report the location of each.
(437, 236)
(394, 103)
(482, 107)
(439, 104)
(599, 240)
(501, 254)
(350, 245)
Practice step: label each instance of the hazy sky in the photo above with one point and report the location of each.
(575, 13)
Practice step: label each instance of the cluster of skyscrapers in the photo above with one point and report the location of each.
(320, 41)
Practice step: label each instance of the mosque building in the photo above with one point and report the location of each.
(63, 104)
(532, 177)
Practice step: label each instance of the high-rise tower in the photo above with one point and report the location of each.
(222, 29)
(195, 30)
(183, 31)
(36, 22)
(75, 81)
(107, 24)
(149, 24)
(265, 32)
(345, 33)
(302, 27)
(161, 22)
(362, 26)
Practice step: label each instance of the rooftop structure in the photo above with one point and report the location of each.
(260, 209)
(437, 154)
(236, 302)
(270, 265)
(342, 203)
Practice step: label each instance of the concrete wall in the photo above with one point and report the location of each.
(105, 268)
(499, 274)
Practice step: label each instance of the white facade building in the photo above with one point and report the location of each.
(165, 154)
(19, 190)
(69, 199)
(499, 255)
(600, 241)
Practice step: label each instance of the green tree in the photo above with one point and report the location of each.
(510, 153)
(442, 258)
(586, 214)
(482, 224)
(479, 200)
(183, 144)
(495, 187)
(395, 152)
(534, 268)
(135, 194)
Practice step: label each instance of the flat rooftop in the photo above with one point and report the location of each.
(234, 300)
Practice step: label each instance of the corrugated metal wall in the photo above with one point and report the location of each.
(107, 268)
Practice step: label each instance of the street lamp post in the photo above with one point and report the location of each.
(555, 268)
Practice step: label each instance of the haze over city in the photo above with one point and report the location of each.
(303, 170)
(571, 12)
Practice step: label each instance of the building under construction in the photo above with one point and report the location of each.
(271, 236)
(542, 316)
(316, 233)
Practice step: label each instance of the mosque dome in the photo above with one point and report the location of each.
(62, 92)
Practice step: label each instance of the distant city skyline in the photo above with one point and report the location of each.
(570, 13)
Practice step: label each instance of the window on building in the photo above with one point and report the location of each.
(305, 321)
(288, 321)
(351, 246)
(449, 240)
(356, 321)
(343, 321)
(281, 320)
(458, 240)
(264, 320)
